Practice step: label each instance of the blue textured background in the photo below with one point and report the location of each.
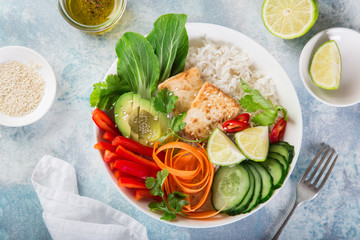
(66, 131)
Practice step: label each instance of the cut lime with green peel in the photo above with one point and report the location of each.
(289, 18)
(325, 66)
(222, 151)
(254, 142)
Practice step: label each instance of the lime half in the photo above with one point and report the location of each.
(222, 151)
(325, 67)
(289, 18)
(254, 142)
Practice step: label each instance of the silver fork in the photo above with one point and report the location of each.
(307, 187)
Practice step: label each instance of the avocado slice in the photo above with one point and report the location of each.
(152, 124)
(122, 110)
(137, 119)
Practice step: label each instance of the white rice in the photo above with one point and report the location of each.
(224, 64)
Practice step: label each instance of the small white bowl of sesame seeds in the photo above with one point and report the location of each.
(27, 86)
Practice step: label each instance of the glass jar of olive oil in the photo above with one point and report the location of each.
(92, 16)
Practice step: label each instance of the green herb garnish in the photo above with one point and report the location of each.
(175, 201)
(164, 102)
(254, 101)
(106, 93)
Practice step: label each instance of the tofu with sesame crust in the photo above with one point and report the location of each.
(185, 86)
(210, 109)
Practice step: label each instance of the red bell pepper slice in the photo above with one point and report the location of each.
(135, 169)
(145, 194)
(104, 122)
(110, 156)
(277, 133)
(136, 147)
(128, 155)
(116, 174)
(232, 126)
(105, 146)
(108, 136)
(131, 183)
(133, 146)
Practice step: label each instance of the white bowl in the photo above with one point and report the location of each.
(28, 56)
(262, 60)
(349, 44)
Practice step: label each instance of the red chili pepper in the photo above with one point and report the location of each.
(135, 147)
(104, 122)
(108, 136)
(135, 169)
(232, 126)
(277, 133)
(145, 194)
(105, 146)
(128, 155)
(131, 183)
(245, 117)
(110, 156)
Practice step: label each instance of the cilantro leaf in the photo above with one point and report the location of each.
(177, 201)
(176, 123)
(164, 101)
(254, 101)
(168, 214)
(106, 93)
(154, 184)
(265, 118)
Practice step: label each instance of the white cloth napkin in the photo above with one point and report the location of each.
(70, 216)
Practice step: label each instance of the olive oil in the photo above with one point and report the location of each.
(91, 12)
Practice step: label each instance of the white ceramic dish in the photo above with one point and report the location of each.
(287, 97)
(29, 56)
(349, 44)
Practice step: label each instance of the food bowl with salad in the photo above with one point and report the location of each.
(197, 125)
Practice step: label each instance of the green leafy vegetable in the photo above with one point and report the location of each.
(137, 64)
(154, 184)
(106, 93)
(177, 124)
(165, 101)
(175, 200)
(170, 42)
(254, 101)
(143, 62)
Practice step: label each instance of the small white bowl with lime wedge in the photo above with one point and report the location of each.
(348, 42)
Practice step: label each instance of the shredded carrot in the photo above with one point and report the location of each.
(190, 172)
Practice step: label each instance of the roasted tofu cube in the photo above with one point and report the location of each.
(185, 85)
(210, 109)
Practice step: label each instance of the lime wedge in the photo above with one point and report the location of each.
(325, 67)
(222, 151)
(289, 18)
(254, 142)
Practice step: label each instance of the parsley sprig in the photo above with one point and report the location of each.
(254, 101)
(175, 201)
(164, 102)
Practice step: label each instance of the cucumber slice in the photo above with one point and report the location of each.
(247, 199)
(266, 179)
(284, 149)
(230, 186)
(257, 189)
(281, 160)
(276, 171)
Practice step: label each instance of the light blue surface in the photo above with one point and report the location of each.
(80, 60)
